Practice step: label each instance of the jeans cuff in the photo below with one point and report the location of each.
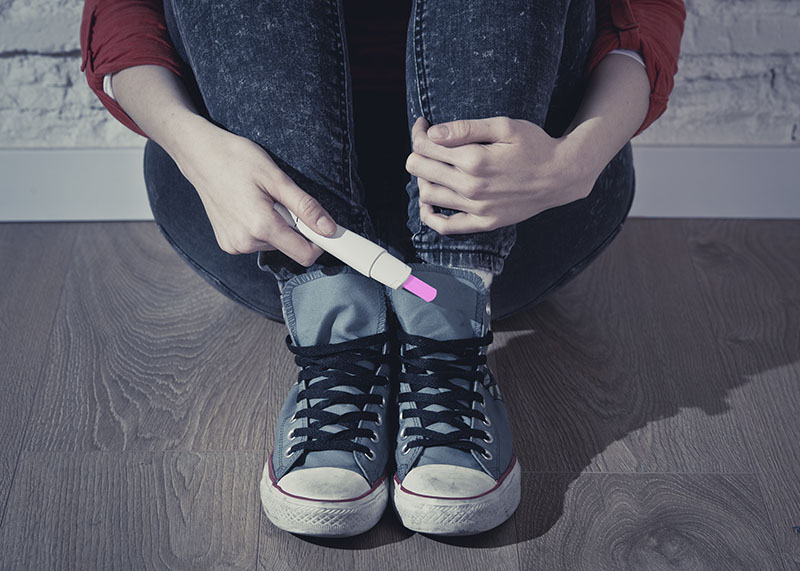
(485, 261)
(277, 264)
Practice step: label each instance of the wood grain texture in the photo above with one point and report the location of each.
(655, 401)
(34, 259)
(281, 551)
(781, 492)
(496, 549)
(646, 522)
(618, 371)
(146, 356)
(749, 272)
(389, 546)
(139, 510)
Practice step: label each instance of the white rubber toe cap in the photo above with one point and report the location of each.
(324, 483)
(446, 481)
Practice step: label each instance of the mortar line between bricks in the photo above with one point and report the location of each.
(18, 53)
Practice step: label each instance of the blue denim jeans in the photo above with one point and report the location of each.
(278, 73)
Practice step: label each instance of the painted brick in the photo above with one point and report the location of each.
(48, 26)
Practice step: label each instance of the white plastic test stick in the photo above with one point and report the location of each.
(354, 250)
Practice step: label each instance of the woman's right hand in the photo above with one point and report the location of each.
(238, 183)
(235, 178)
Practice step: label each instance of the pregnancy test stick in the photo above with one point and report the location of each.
(362, 255)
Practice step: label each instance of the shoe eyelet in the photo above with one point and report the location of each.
(289, 452)
(405, 449)
(291, 434)
(486, 454)
(488, 439)
(482, 403)
(380, 419)
(404, 433)
(486, 421)
(383, 401)
(369, 455)
(374, 436)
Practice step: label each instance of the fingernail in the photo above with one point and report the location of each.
(326, 225)
(439, 132)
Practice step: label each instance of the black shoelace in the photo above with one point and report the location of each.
(334, 366)
(421, 370)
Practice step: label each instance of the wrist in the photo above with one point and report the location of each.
(614, 105)
(581, 157)
(183, 130)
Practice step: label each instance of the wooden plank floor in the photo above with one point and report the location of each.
(655, 403)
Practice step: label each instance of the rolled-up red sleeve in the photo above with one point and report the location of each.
(653, 28)
(117, 34)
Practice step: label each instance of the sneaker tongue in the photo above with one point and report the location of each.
(332, 458)
(444, 454)
(332, 306)
(320, 308)
(458, 310)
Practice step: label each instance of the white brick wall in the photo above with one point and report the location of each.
(738, 80)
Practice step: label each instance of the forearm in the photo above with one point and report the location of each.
(158, 101)
(612, 110)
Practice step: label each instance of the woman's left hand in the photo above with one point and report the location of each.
(496, 171)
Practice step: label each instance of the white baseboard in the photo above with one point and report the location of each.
(702, 182)
(73, 184)
(717, 182)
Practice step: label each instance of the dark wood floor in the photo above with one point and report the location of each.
(655, 400)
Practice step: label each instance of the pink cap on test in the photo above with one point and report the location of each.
(420, 288)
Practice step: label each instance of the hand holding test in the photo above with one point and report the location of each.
(364, 256)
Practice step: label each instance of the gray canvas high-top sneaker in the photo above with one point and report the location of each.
(456, 471)
(326, 475)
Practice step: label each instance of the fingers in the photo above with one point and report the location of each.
(284, 238)
(463, 131)
(459, 223)
(276, 232)
(304, 205)
(422, 144)
(443, 174)
(438, 195)
(267, 230)
(470, 158)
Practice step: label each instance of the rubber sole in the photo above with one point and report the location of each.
(459, 516)
(322, 518)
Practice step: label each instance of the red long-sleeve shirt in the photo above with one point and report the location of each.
(116, 34)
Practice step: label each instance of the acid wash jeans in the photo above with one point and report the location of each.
(278, 73)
